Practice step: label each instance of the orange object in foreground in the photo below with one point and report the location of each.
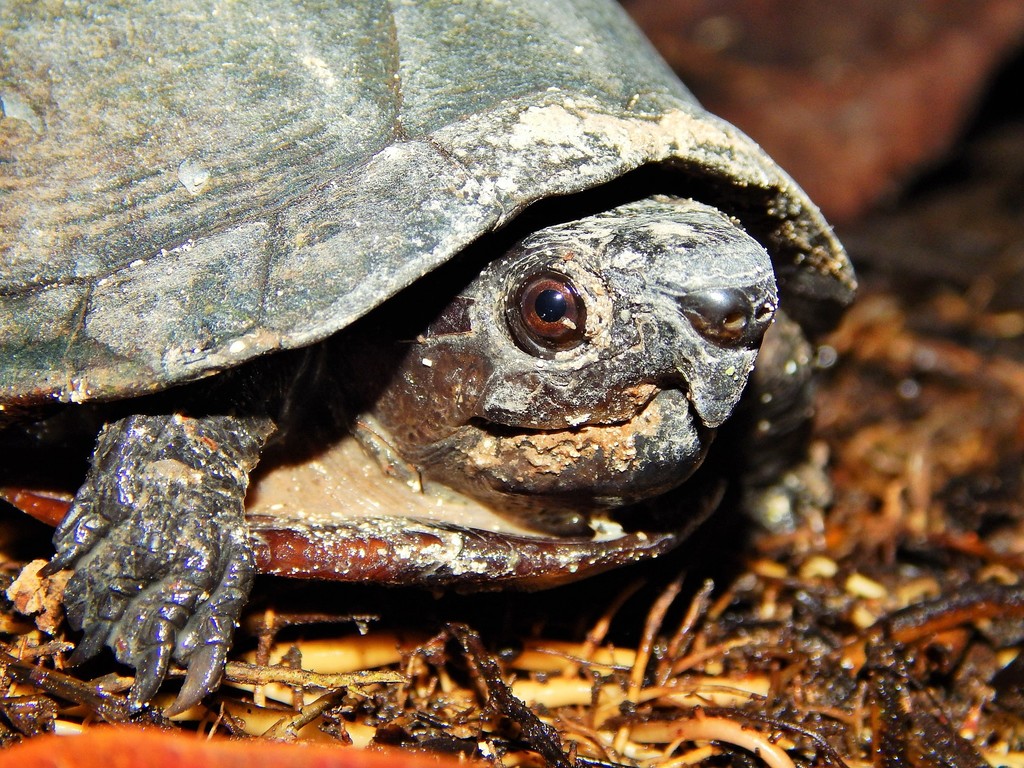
(110, 747)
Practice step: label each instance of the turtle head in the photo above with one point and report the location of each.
(587, 368)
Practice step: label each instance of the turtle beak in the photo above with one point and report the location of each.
(729, 323)
(711, 289)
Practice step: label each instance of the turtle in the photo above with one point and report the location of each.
(494, 255)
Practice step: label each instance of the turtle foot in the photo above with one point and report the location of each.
(160, 549)
(800, 495)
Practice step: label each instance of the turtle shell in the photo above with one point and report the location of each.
(187, 186)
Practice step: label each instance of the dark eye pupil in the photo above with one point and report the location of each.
(550, 305)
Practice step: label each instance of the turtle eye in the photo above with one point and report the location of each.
(547, 314)
(726, 317)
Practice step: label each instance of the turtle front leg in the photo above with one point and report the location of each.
(159, 546)
(782, 482)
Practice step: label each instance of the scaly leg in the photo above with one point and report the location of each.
(159, 546)
(781, 481)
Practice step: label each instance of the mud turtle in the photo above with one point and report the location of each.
(496, 246)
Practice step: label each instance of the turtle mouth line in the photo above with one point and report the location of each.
(641, 404)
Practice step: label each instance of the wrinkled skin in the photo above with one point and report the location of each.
(556, 410)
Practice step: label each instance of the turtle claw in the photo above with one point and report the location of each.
(204, 642)
(57, 564)
(91, 643)
(78, 533)
(204, 670)
(184, 621)
(150, 672)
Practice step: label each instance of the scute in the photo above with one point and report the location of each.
(351, 148)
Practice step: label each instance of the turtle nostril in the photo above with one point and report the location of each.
(726, 316)
(734, 324)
